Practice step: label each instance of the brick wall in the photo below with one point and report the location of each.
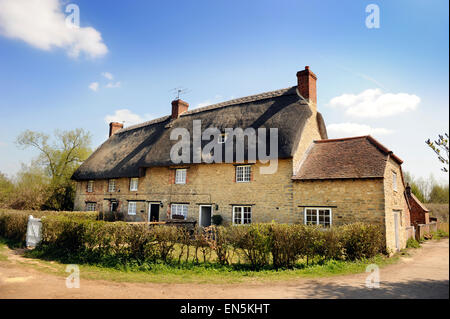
(418, 215)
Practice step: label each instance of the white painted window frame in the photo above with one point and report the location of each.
(111, 186)
(183, 172)
(134, 184)
(175, 207)
(132, 208)
(394, 181)
(90, 186)
(243, 167)
(242, 212)
(317, 214)
(89, 205)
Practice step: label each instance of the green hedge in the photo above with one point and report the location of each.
(81, 238)
(13, 223)
(258, 245)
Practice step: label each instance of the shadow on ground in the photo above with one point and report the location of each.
(414, 289)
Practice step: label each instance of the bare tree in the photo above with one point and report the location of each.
(440, 147)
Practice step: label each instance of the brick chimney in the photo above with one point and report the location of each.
(408, 189)
(306, 80)
(114, 127)
(178, 108)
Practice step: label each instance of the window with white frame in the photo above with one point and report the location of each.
(318, 216)
(222, 138)
(243, 173)
(112, 185)
(131, 208)
(134, 182)
(242, 215)
(90, 207)
(90, 186)
(180, 176)
(177, 210)
(394, 181)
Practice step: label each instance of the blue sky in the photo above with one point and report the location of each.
(221, 50)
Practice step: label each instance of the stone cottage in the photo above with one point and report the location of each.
(317, 180)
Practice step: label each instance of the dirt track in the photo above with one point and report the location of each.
(424, 274)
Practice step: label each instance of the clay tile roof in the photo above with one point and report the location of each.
(412, 197)
(354, 157)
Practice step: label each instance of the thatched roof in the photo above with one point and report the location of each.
(353, 157)
(148, 144)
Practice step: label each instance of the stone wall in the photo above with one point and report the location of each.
(395, 204)
(310, 133)
(351, 200)
(270, 195)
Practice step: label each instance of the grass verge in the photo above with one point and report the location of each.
(206, 273)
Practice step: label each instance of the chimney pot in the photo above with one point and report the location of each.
(306, 83)
(178, 108)
(114, 127)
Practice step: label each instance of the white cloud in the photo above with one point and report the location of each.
(107, 75)
(3, 144)
(373, 103)
(125, 115)
(112, 85)
(354, 129)
(94, 86)
(41, 23)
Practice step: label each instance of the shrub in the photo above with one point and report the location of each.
(362, 240)
(79, 236)
(286, 245)
(412, 243)
(217, 219)
(13, 226)
(221, 244)
(439, 234)
(166, 237)
(254, 242)
(329, 244)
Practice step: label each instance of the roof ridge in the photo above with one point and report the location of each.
(244, 99)
(341, 139)
(139, 125)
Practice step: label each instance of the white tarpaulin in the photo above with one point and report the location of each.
(34, 229)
